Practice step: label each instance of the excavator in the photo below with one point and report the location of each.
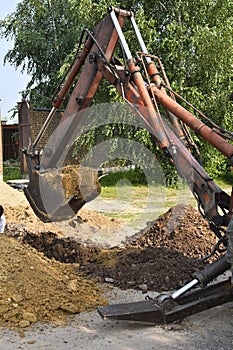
(142, 83)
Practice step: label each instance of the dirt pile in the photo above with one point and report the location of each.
(161, 257)
(42, 269)
(181, 229)
(34, 288)
(23, 216)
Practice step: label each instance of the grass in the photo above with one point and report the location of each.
(114, 191)
(139, 203)
(225, 184)
(126, 199)
(11, 171)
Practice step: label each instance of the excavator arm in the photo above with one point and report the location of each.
(47, 192)
(139, 83)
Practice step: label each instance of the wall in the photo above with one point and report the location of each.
(37, 119)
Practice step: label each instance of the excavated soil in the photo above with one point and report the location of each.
(46, 276)
(34, 288)
(160, 257)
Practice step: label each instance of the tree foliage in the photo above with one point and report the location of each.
(45, 33)
(194, 40)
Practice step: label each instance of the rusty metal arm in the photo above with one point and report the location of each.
(130, 84)
(195, 124)
(213, 203)
(41, 185)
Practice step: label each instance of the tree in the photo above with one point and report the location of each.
(194, 39)
(45, 33)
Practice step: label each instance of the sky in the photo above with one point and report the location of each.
(12, 81)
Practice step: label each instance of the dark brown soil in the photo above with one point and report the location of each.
(161, 257)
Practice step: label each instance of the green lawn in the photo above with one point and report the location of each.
(11, 171)
(140, 202)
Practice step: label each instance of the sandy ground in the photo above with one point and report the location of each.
(208, 330)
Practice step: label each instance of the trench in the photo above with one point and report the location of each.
(163, 256)
(64, 250)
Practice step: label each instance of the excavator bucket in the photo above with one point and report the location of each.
(59, 194)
